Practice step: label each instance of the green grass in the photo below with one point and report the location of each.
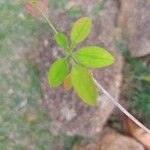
(17, 129)
(74, 12)
(23, 122)
(98, 8)
(138, 90)
(140, 93)
(55, 4)
(69, 141)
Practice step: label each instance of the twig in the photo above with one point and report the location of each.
(114, 102)
(46, 17)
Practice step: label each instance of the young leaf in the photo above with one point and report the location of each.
(80, 30)
(94, 57)
(58, 72)
(61, 40)
(147, 78)
(67, 82)
(83, 84)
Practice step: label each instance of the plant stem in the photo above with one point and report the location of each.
(100, 87)
(46, 17)
(75, 60)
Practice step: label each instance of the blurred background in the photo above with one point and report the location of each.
(25, 38)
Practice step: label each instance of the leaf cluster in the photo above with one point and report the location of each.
(72, 70)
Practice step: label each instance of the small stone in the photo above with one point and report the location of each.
(31, 117)
(10, 92)
(22, 16)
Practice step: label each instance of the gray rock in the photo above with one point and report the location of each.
(134, 19)
(68, 113)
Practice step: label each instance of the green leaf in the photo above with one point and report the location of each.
(94, 57)
(61, 40)
(147, 78)
(80, 30)
(58, 72)
(83, 84)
